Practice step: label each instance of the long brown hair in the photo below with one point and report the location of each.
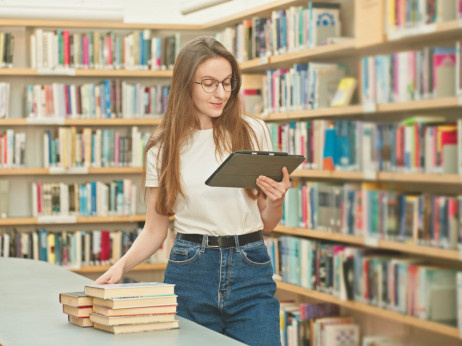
(230, 131)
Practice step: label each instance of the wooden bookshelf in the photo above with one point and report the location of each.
(372, 310)
(420, 178)
(31, 72)
(23, 221)
(80, 122)
(43, 23)
(403, 247)
(103, 268)
(431, 105)
(90, 170)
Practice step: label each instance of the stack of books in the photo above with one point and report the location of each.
(133, 307)
(78, 307)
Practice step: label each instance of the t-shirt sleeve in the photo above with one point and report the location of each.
(262, 134)
(152, 176)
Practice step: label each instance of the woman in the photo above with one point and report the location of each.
(219, 263)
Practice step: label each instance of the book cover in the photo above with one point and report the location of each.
(129, 289)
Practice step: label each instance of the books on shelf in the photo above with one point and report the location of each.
(12, 149)
(97, 49)
(381, 279)
(4, 198)
(129, 290)
(74, 249)
(286, 30)
(69, 147)
(110, 99)
(407, 76)
(4, 100)
(345, 92)
(6, 51)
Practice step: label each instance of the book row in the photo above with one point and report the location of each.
(303, 86)
(392, 282)
(122, 308)
(427, 144)
(374, 212)
(287, 30)
(108, 99)
(94, 198)
(410, 75)
(322, 324)
(102, 50)
(74, 249)
(400, 16)
(6, 50)
(12, 149)
(69, 147)
(4, 100)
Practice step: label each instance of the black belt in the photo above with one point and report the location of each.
(223, 241)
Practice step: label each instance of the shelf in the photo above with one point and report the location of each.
(418, 178)
(372, 310)
(81, 122)
(95, 24)
(446, 103)
(409, 248)
(103, 268)
(22, 221)
(31, 72)
(89, 170)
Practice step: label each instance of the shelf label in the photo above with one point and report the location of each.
(74, 170)
(57, 219)
(56, 71)
(371, 241)
(369, 107)
(263, 60)
(370, 175)
(45, 121)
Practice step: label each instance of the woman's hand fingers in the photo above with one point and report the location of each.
(273, 190)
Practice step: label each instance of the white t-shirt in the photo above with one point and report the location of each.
(205, 209)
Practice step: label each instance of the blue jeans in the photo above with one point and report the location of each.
(228, 289)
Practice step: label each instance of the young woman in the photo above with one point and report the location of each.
(219, 263)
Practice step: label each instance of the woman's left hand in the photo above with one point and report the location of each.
(273, 190)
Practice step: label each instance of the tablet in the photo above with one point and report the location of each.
(242, 168)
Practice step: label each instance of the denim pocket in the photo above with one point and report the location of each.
(256, 254)
(183, 253)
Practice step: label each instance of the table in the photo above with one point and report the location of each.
(30, 312)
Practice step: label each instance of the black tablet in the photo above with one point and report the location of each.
(242, 168)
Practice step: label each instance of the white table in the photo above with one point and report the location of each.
(30, 312)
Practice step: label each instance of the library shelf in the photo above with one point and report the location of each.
(446, 103)
(43, 23)
(418, 178)
(70, 171)
(403, 247)
(302, 56)
(32, 72)
(22, 221)
(80, 122)
(103, 268)
(434, 327)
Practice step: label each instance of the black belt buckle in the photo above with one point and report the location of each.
(210, 245)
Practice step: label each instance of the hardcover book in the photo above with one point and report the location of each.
(129, 289)
(137, 328)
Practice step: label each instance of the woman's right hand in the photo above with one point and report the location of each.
(112, 276)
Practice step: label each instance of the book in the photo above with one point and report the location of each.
(78, 311)
(135, 319)
(146, 310)
(75, 299)
(341, 335)
(133, 302)
(345, 91)
(129, 289)
(137, 328)
(80, 321)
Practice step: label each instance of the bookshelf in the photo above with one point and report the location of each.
(102, 268)
(437, 328)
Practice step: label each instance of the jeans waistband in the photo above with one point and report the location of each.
(222, 241)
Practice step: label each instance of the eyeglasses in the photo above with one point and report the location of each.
(211, 85)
